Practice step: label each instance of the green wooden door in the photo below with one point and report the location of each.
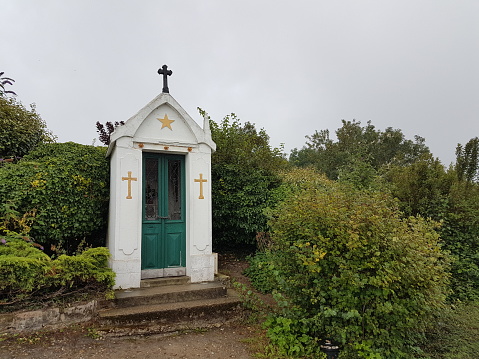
(163, 251)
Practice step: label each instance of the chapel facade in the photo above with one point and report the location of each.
(160, 220)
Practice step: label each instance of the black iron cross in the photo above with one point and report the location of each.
(165, 72)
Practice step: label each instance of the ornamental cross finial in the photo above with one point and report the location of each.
(165, 72)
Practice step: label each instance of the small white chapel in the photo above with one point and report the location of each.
(160, 220)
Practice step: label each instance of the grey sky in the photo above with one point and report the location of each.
(290, 67)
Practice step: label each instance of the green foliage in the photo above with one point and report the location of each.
(29, 275)
(352, 269)
(89, 266)
(250, 301)
(244, 170)
(261, 271)
(355, 142)
(422, 187)
(467, 160)
(21, 130)
(59, 193)
(20, 246)
(291, 337)
(456, 333)
(24, 268)
(460, 232)
(425, 188)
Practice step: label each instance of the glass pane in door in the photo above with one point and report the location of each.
(174, 189)
(151, 189)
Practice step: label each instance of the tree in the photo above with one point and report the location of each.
(426, 188)
(356, 142)
(351, 269)
(244, 171)
(422, 187)
(3, 82)
(104, 134)
(467, 160)
(21, 130)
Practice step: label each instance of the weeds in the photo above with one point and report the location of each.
(93, 333)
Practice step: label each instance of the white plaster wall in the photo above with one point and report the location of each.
(124, 235)
(200, 266)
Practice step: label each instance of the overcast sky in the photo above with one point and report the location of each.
(290, 67)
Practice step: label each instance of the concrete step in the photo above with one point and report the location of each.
(205, 310)
(169, 307)
(169, 294)
(159, 282)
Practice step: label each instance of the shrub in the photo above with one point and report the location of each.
(260, 271)
(351, 269)
(30, 275)
(64, 187)
(88, 267)
(244, 172)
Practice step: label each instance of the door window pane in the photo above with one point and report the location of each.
(174, 189)
(151, 189)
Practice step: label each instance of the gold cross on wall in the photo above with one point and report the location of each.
(201, 181)
(129, 179)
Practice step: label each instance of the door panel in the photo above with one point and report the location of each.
(164, 239)
(151, 238)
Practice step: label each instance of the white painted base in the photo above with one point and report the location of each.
(163, 272)
(202, 268)
(216, 262)
(128, 274)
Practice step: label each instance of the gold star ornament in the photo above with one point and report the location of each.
(166, 122)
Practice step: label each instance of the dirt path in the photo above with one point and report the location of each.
(219, 343)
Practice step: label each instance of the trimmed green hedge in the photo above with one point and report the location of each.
(57, 194)
(28, 274)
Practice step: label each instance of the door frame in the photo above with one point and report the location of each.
(164, 224)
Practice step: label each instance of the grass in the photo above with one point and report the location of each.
(456, 334)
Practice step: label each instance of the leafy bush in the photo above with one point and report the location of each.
(30, 275)
(244, 172)
(291, 337)
(260, 271)
(353, 270)
(460, 231)
(64, 187)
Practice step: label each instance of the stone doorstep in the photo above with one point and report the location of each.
(152, 319)
(213, 309)
(169, 294)
(158, 282)
(191, 305)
